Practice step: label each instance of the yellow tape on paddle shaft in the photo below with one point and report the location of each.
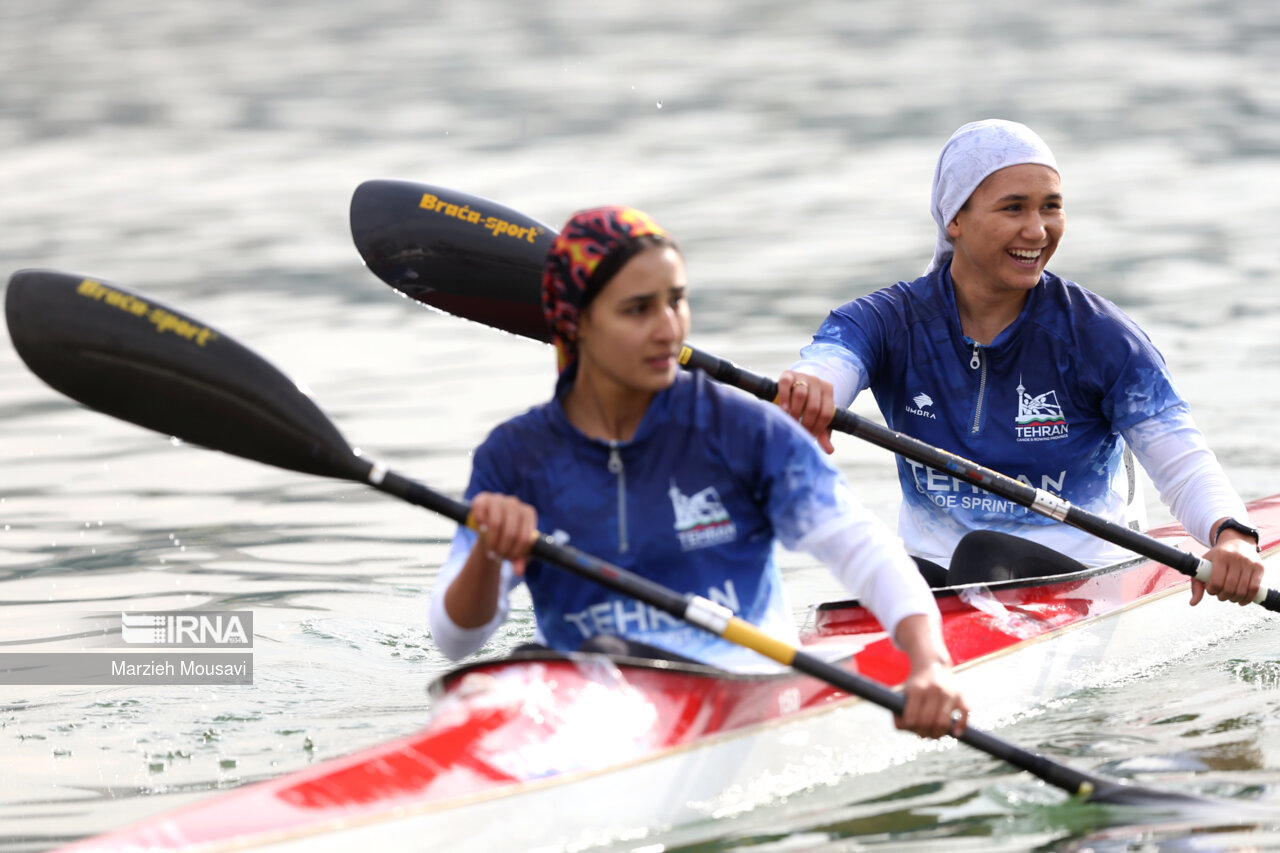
(745, 634)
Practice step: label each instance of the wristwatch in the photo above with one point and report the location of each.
(1239, 527)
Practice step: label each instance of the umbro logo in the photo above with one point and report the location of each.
(922, 402)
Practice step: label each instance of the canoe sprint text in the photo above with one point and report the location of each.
(951, 492)
(499, 227)
(160, 318)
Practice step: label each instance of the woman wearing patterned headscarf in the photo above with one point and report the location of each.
(997, 360)
(668, 475)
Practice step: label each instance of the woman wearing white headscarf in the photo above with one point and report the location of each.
(990, 356)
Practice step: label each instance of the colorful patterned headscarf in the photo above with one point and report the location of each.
(589, 250)
(971, 154)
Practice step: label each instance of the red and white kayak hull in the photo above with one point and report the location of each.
(561, 753)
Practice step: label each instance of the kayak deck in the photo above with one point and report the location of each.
(540, 726)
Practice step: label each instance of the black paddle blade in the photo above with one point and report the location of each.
(1139, 796)
(465, 255)
(131, 357)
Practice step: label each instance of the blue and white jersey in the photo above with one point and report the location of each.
(694, 501)
(1045, 403)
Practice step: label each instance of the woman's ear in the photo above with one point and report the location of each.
(953, 227)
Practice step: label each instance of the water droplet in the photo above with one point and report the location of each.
(175, 441)
(659, 104)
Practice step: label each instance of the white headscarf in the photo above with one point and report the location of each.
(971, 154)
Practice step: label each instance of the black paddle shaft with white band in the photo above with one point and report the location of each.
(482, 261)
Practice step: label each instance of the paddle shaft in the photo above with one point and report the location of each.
(1020, 493)
(719, 620)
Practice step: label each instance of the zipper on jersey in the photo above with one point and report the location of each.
(616, 467)
(977, 362)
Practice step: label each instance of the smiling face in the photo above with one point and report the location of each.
(629, 337)
(1008, 229)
